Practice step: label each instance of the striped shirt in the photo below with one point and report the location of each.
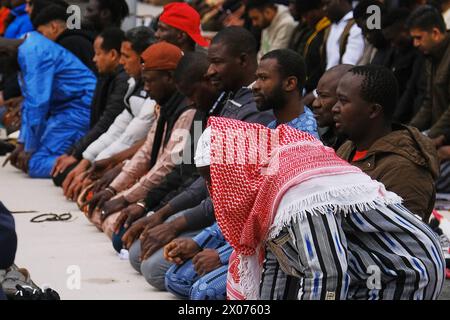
(385, 253)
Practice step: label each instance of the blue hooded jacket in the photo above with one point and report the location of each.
(57, 89)
(20, 25)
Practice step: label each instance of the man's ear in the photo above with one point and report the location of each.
(243, 59)
(115, 55)
(290, 83)
(436, 34)
(182, 37)
(105, 14)
(375, 111)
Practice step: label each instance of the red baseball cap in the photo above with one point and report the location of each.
(182, 16)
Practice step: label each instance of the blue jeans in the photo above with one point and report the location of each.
(117, 239)
(154, 268)
(185, 283)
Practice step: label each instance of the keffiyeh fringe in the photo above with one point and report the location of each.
(353, 198)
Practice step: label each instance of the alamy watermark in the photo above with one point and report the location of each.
(74, 20)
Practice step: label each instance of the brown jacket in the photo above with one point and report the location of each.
(434, 114)
(406, 162)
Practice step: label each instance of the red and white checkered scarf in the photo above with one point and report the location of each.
(252, 167)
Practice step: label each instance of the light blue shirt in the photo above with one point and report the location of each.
(305, 122)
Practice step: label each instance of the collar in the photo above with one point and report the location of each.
(441, 49)
(346, 18)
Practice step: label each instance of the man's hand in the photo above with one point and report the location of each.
(98, 200)
(128, 215)
(206, 261)
(107, 178)
(14, 155)
(14, 103)
(439, 141)
(141, 228)
(76, 186)
(444, 153)
(76, 172)
(134, 232)
(156, 238)
(181, 249)
(22, 161)
(62, 163)
(114, 205)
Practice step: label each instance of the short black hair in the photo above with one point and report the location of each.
(40, 5)
(379, 86)
(238, 40)
(49, 14)
(395, 17)
(119, 9)
(304, 6)
(427, 18)
(112, 39)
(290, 64)
(259, 4)
(360, 11)
(191, 68)
(140, 38)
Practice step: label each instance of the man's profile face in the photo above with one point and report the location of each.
(259, 18)
(325, 100)
(351, 111)
(268, 88)
(425, 41)
(167, 33)
(224, 69)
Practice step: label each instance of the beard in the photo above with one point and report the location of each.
(275, 100)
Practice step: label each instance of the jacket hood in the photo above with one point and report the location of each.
(411, 144)
(75, 32)
(19, 10)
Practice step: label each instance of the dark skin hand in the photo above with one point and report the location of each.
(98, 200)
(75, 176)
(140, 227)
(206, 261)
(159, 236)
(113, 206)
(107, 178)
(14, 156)
(128, 215)
(22, 161)
(76, 186)
(439, 141)
(62, 163)
(181, 249)
(444, 153)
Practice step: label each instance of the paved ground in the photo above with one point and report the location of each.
(53, 251)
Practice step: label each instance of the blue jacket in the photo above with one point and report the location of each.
(20, 25)
(8, 240)
(57, 89)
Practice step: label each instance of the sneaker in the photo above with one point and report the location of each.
(30, 293)
(16, 276)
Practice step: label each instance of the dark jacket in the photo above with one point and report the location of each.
(80, 43)
(241, 106)
(435, 112)
(408, 66)
(8, 241)
(330, 139)
(308, 42)
(107, 104)
(406, 162)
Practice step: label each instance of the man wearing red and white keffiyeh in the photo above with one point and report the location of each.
(328, 224)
